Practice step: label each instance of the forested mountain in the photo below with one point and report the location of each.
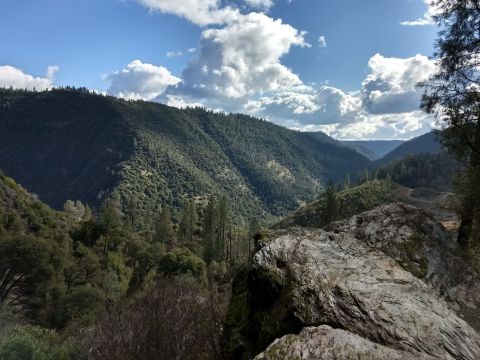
(423, 144)
(374, 149)
(72, 144)
(429, 170)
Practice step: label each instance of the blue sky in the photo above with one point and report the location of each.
(263, 57)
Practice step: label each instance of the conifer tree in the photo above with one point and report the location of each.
(453, 95)
(209, 231)
(223, 225)
(329, 211)
(164, 232)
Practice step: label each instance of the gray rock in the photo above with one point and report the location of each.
(314, 277)
(423, 247)
(325, 343)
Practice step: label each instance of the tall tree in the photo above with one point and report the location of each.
(164, 232)
(453, 96)
(223, 213)
(329, 211)
(189, 220)
(131, 213)
(209, 230)
(111, 218)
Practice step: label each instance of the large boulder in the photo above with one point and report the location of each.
(305, 278)
(423, 247)
(325, 343)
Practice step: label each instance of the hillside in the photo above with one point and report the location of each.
(71, 144)
(23, 214)
(348, 202)
(423, 144)
(429, 170)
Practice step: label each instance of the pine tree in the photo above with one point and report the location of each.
(329, 211)
(189, 220)
(209, 231)
(193, 225)
(223, 225)
(111, 218)
(164, 232)
(452, 94)
(131, 213)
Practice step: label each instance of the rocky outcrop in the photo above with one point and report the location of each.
(325, 343)
(314, 277)
(423, 247)
(370, 278)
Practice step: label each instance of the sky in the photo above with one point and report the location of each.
(344, 67)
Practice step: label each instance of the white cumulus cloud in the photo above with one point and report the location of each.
(17, 79)
(260, 4)
(390, 87)
(427, 18)
(199, 12)
(140, 81)
(242, 59)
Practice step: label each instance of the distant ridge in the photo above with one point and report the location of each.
(424, 144)
(72, 144)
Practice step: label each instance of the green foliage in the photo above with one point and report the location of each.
(29, 273)
(335, 206)
(452, 94)
(189, 221)
(181, 261)
(118, 276)
(36, 343)
(164, 233)
(434, 171)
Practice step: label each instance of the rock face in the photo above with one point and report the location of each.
(365, 279)
(423, 247)
(325, 343)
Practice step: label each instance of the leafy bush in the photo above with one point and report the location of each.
(36, 343)
(181, 261)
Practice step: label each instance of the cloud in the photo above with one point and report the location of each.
(17, 79)
(240, 60)
(140, 81)
(174, 53)
(390, 87)
(260, 4)
(427, 18)
(199, 12)
(386, 106)
(179, 102)
(322, 41)
(237, 68)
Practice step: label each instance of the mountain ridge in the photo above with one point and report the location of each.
(72, 144)
(423, 144)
